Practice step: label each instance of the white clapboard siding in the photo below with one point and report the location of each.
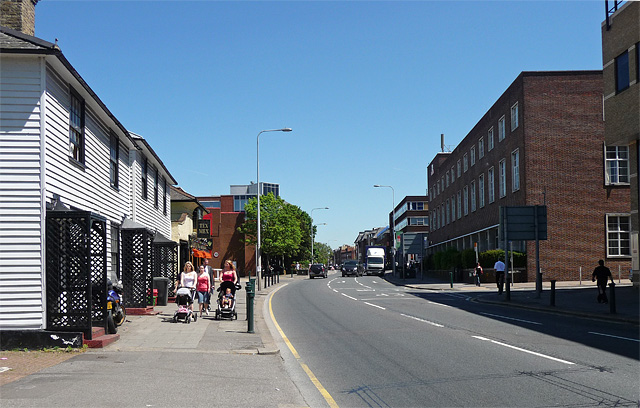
(21, 212)
(145, 211)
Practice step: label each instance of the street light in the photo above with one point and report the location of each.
(393, 227)
(259, 192)
(315, 225)
(311, 215)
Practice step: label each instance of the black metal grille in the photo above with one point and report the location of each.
(165, 261)
(137, 266)
(76, 270)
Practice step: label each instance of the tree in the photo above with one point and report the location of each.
(322, 253)
(280, 232)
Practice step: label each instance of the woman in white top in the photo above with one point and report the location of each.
(188, 280)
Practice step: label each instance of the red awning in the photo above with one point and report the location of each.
(201, 254)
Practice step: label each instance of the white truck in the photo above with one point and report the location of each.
(375, 261)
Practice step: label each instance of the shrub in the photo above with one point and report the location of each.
(468, 258)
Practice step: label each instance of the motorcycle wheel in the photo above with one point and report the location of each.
(111, 325)
(120, 316)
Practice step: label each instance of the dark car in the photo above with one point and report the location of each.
(317, 270)
(351, 268)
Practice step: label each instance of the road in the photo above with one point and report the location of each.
(368, 343)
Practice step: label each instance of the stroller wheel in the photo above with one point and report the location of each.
(235, 315)
(195, 317)
(175, 318)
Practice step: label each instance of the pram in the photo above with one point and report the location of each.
(228, 312)
(184, 299)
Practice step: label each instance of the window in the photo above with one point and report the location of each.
(448, 210)
(115, 251)
(437, 189)
(465, 162)
(453, 208)
(145, 173)
(490, 138)
(447, 178)
(618, 235)
(459, 204)
(459, 169)
(481, 191)
(473, 196)
(515, 170)
(501, 129)
(420, 220)
(481, 148)
(114, 156)
(502, 169)
(453, 175)
(514, 116)
(473, 155)
(622, 71)
(76, 127)
(616, 165)
(491, 186)
(442, 215)
(465, 199)
(155, 187)
(415, 206)
(164, 196)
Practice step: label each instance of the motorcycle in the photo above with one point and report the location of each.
(116, 313)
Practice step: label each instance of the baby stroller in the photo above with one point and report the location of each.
(228, 312)
(184, 299)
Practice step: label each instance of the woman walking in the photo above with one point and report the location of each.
(188, 280)
(203, 288)
(229, 273)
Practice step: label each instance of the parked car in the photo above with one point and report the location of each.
(351, 268)
(317, 270)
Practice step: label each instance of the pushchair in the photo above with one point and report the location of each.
(184, 299)
(228, 311)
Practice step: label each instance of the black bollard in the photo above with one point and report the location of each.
(251, 292)
(612, 301)
(552, 296)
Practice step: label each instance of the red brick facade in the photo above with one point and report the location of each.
(559, 141)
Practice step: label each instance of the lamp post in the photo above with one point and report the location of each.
(315, 225)
(311, 215)
(258, 193)
(393, 227)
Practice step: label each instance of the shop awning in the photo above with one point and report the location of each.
(201, 254)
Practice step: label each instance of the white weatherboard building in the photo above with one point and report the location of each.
(60, 145)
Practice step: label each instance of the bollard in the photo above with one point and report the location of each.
(552, 296)
(251, 292)
(451, 276)
(612, 301)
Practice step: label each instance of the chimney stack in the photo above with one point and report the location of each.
(19, 15)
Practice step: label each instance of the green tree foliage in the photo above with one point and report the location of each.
(322, 253)
(282, 233)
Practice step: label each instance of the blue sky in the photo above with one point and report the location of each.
(368, 87)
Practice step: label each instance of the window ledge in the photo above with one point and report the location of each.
(78, 164)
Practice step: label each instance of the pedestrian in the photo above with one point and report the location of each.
(209, 271)
(499, 267)
(203, 288)
(229, 273)
(477, 272)
(188, 280)
(297, 268)
(602, 275)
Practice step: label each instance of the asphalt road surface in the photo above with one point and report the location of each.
(363, 342)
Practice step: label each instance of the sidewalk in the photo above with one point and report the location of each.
(572, 297)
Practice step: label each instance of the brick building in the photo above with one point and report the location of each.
(541, 143)
(621, 73)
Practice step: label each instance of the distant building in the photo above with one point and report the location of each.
(411, 218)
(541, 143)
(621, 72)
(344, 253)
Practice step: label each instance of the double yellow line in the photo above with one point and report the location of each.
(312, 377)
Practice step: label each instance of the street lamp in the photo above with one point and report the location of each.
(311, 215)
(315, 225)
(258, 193)
(393, 227)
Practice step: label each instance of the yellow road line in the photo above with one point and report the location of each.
(312, 377)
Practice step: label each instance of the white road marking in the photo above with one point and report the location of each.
(616, 337)
(439, 304)
(523, 350)
(371, 304)
(511, 318)
(422, 320)
(350, 297)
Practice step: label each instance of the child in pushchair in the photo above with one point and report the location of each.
(184, 299)
(227, 301)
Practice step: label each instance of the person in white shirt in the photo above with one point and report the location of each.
(499, 267)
